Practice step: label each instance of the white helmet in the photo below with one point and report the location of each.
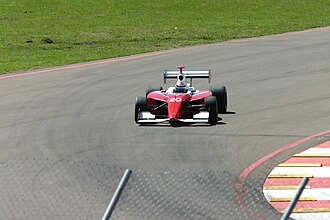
(181, 85)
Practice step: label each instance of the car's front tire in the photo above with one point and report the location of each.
(212, 107)
(220, 92)
(141, 104)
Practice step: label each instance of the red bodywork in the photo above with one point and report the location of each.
(176, 106)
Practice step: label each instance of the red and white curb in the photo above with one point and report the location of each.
(282, 183)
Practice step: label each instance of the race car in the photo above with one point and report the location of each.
(181, 103)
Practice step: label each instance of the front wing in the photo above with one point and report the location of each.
(147, 117)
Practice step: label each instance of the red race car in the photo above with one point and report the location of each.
(181, 103)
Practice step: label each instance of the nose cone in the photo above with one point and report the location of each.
(175, 102)
(174, 116)
(174, 110)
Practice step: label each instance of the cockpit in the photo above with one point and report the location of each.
(180, 89)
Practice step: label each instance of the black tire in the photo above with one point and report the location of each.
(152, 89)
(220, 92)
(212, 107)
(140, 105)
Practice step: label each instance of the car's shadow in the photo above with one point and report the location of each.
(229, 113)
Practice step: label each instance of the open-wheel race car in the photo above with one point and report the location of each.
(181, 103)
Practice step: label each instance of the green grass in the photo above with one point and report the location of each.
(86, 30)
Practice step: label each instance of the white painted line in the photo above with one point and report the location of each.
(315, 150)
(288, 187)
(309, 216)
(318, 193)
(299, 165)
(291, 175)
(315, 171)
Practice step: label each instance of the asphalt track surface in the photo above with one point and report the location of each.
(66, 136)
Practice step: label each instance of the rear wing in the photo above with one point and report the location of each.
(189, 74)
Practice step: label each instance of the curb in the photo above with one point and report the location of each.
(282, 182)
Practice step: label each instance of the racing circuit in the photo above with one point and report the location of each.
(68, 133)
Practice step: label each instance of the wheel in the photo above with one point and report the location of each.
(152, 89)
(140, 105)
(212, 107)
(220, 92)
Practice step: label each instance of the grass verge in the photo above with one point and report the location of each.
(84, 30)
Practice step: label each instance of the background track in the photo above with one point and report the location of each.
(67, 136)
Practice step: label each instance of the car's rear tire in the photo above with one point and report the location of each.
(212, 107)
(220, 92)
(152, 89)
(141, 104)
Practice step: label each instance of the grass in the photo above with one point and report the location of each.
(84, 30)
